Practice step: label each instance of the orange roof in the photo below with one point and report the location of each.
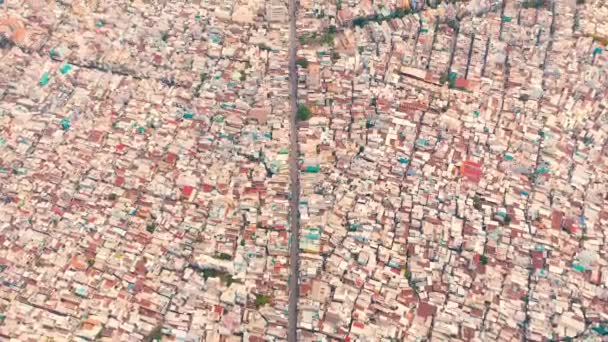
(14, 28)
(77, 264)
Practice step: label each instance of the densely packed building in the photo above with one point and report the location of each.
(453, 170)
(143, 176)
(454, 179)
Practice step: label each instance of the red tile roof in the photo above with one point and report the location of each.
(187, 191)
(425, 309)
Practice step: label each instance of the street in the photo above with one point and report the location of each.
(295, 180)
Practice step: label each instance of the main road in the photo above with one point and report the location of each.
(294, 152)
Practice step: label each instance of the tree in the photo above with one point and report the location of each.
(453, 24)
(588, 140)
(303, 62)
(224, 256)
(209, 273)
(369, 123)
(399, 13)
(261, 300)
(533, 4)
(227, 279)
(477, 202)
(335, 56)
(600, 39)
(410, 281)
(151, 227)
(483, 260)
(112, 197)
(360, 21)
(264, 47)
(155, 335)
(327, 38)
(304, 112)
